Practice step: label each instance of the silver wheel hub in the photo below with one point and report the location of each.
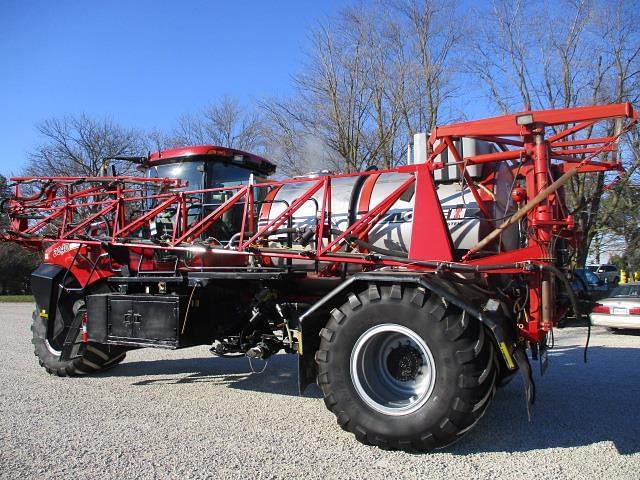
(52, 350)
(392, 369)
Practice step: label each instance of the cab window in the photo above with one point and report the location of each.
(190, 172)
(219, 175)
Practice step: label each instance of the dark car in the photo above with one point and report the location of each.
(588, 284)
(587, 288)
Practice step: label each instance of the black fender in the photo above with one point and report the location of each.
(483, 307)
(48, 284)
(45, 286)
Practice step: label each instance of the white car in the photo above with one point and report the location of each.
(621, 309)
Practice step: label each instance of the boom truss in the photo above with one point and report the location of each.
(538, 145)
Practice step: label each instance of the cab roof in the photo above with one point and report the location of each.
(240, 157)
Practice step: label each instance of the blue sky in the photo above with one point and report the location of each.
(142, 63)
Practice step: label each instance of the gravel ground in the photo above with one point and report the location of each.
(186, 414)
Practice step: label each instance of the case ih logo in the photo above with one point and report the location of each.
(64, 248)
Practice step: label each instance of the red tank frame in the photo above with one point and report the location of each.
(73, 204)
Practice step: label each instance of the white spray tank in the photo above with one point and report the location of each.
(353, 196)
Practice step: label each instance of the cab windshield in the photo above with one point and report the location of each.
(217, 173)
(191, 172)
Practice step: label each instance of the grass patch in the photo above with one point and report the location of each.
(16, 298)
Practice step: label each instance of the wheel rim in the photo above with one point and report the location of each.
(392, 369)
(53, 341)
(52, 350)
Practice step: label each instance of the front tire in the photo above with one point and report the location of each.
(47, 348)
(403, 369)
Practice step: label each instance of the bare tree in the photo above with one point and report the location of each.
(285, 139)
(615, 78)
(585, 52)
(333, 97)
(502, 53)
(78, 145)
(156, 140)
(428, 64)
(375, 74)
(16, 263)
(226, 124)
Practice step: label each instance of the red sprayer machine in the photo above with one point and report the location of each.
(408, 294)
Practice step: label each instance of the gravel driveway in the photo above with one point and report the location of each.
(187, 414)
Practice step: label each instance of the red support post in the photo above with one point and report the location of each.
(207, 221)
(281, 218)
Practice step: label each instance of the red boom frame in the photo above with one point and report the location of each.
(66, 207)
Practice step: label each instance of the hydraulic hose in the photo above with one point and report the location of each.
(572, 298)
(371, 246)
(525, 210)
(376, 249)
(306, 234)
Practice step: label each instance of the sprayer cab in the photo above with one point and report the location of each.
(207, 166)
(205, 171)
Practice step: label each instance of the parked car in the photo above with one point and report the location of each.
(588, 288)
(621, 309)
(588, 279)
(608, 273)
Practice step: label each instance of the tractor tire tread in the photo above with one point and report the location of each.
(95, 358)
(474, 356)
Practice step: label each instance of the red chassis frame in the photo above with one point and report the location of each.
(58, 218)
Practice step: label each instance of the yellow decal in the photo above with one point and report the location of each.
(298, 335)
(507, 356)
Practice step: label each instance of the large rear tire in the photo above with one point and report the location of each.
(403, 369)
